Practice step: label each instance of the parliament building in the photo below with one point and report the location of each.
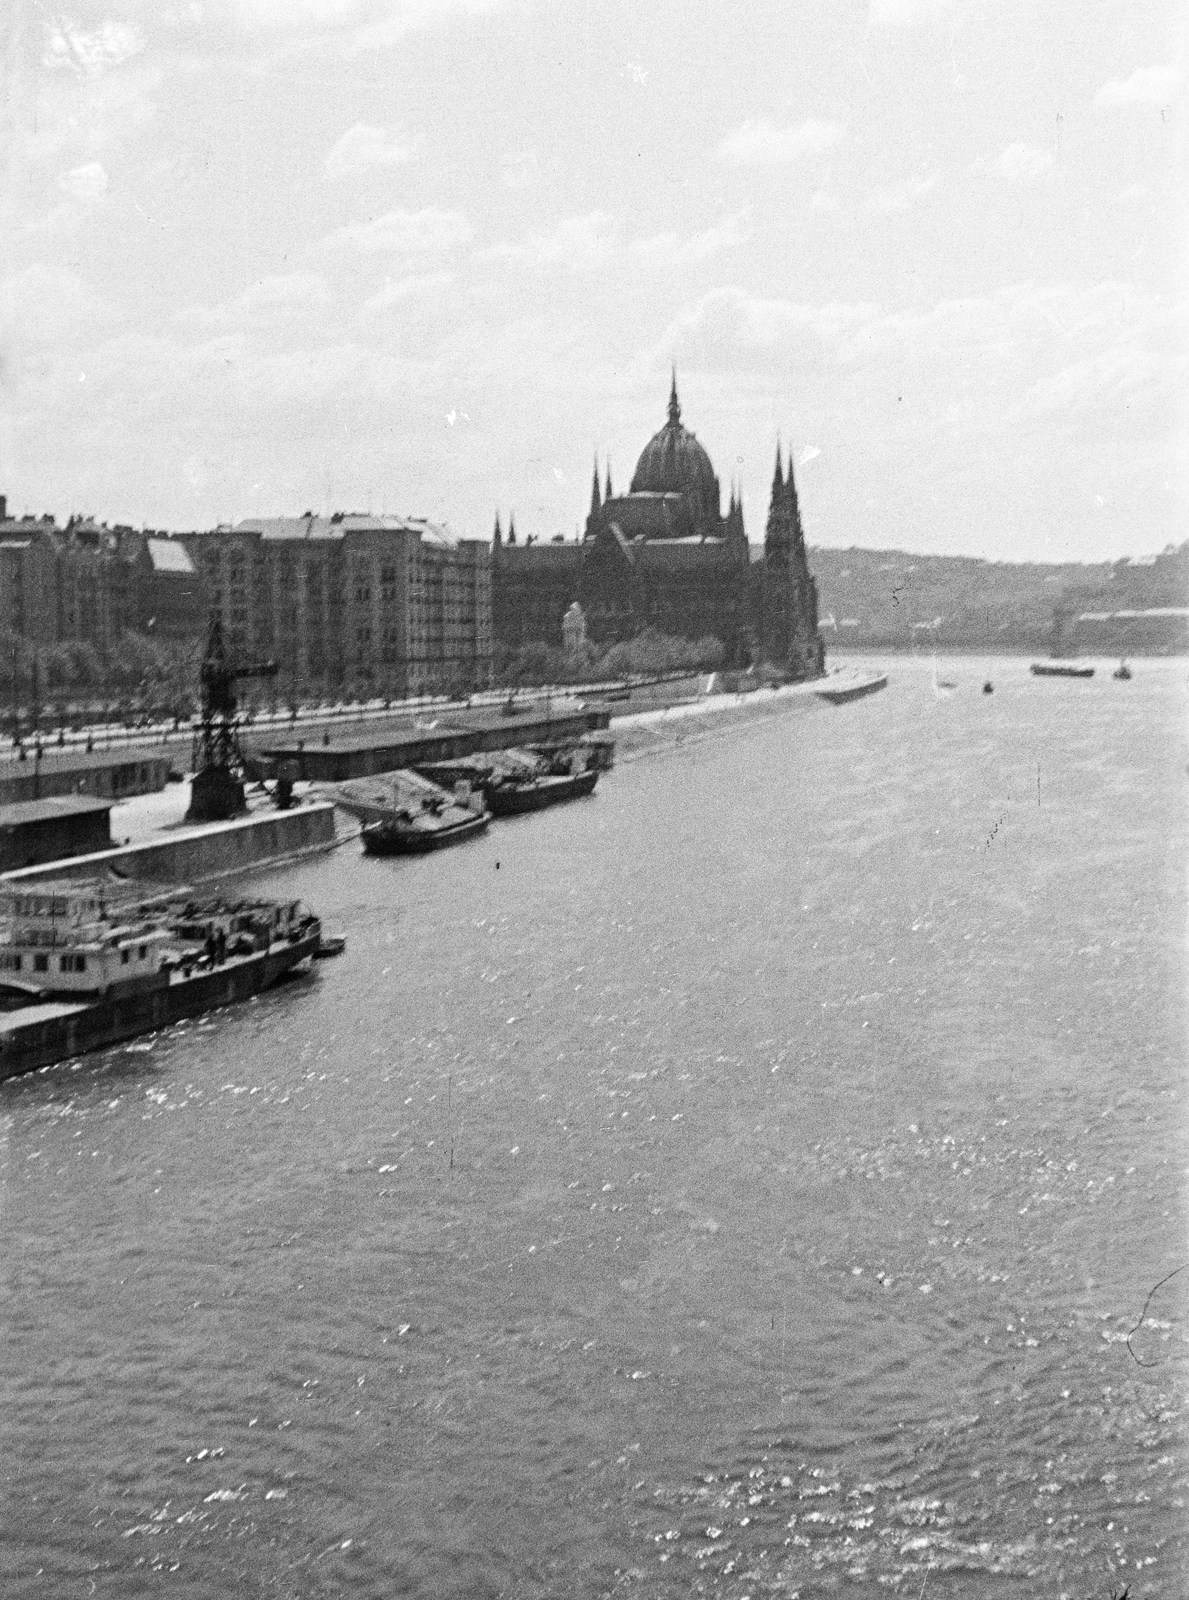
(663, 556)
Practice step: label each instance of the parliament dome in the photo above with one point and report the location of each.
(673, 462)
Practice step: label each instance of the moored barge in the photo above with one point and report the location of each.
(81, 969)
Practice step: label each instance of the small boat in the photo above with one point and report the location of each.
(1059, 669)
(514, 796)
(846, 688)
(404, 813)
(1122, 671)
(408, 833)
(988, 687)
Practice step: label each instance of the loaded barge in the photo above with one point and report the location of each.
(81, 969)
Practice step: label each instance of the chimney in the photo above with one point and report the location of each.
(3, 507)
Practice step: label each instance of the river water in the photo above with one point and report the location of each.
(742, 1183)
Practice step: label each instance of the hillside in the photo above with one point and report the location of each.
(891, 598)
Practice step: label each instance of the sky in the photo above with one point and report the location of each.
(430, 257)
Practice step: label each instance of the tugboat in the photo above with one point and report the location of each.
(81, 968)
(1122, 671)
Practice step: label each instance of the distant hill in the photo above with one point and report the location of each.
(892, 598)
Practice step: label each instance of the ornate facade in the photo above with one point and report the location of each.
(664, 556)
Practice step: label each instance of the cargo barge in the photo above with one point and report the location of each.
(81, 970)
(1059, 669)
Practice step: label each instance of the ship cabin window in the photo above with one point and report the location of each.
(10, 963)
(41, 963)
(72, 963)
(141, 952)
(124, 954)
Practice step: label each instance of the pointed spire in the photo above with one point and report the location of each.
(595, 503)
(674, 403)
(610, 494)
(497, 537)
(511, 528)
(778, 475)
(794, 507)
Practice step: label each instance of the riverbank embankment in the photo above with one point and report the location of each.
(197, 854)
(640, 733)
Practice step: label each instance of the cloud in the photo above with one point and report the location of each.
(1152, 86)
(357, 25)
(587, 243)
(89, 54)
(726, 234)
(403, 233)
(88, 182)
(764, 143)
(904, 13)
(363, 147)
(397, 290)
(729, 329)
(43, 305)
(899, 196)
(578, 242)
(269, 301)
(1023, 163)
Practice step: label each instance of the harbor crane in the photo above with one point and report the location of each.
(217, 793)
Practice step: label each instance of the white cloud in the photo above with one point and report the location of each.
(1023, 163)
(397, 290)
(729, 329)
(904, 13)
(587, 243)
(1146, 86)
(90, 53)
(403, 233)
(88, 182)
(363, 147)
(578, 242)
(359, 25)
(726, 234)
(899, 196)
(764, 143)
(269, 301)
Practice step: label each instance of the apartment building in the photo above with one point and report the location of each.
(352, 603)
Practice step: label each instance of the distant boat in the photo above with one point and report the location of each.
(1059, 669)
(839, 692)
(988, 687)
(1122, 671)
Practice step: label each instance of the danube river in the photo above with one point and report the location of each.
(742, 1183)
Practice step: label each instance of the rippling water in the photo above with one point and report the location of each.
(742, 1183)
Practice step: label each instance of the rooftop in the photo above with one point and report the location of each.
(56, 808)
(169, 555)
(335, 527)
